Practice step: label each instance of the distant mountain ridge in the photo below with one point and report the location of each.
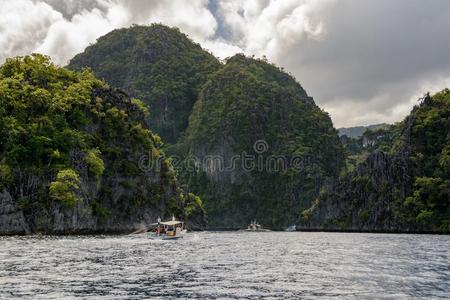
(357, 131)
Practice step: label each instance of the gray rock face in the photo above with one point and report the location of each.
(365, 200)
(119, 216)
(405, 191)
(12, 220)
(58, 219)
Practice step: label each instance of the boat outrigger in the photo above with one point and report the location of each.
(254, 226)
(167, 230)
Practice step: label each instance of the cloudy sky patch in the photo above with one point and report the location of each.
(363, 61)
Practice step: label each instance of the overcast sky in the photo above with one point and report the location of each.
(363, 61)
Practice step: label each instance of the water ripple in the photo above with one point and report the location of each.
(226, 265)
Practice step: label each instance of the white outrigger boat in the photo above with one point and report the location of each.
(167, 230)
(291, 228)
(254, 226)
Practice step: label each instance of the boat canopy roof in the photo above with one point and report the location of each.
(171, 223)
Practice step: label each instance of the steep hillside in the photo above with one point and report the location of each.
(358, 131)
(157, 64)
(259, 146)
(406, 190)
(371, 141)
(69, 152)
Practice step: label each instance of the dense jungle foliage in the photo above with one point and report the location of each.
(67, 138)
(157, 64)
(250, 101)
(243, 135)
(403, 183)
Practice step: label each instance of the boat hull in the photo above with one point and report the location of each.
(179, 235)
(165, 238)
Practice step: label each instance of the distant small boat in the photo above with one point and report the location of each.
(254, 226)
(167, 230)
(291, 228)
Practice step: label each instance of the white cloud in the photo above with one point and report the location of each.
(221, 48)
(270, 28)
(23, 24)
(193, 17)
(432, 86)
(66, 38)
(35, 26)
(385, 107)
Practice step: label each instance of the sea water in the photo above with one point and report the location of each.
(226, 265)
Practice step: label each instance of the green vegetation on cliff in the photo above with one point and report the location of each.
(405, 189)
(426, 140)
(157, 64)
(358, 131)
(236, 104)
(389, 176)
(250, 101)
(378, 139)
(69, 144)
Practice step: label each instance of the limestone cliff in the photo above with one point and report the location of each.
(406, 189)
(262, 147)
(77, 156)
(157, 64)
